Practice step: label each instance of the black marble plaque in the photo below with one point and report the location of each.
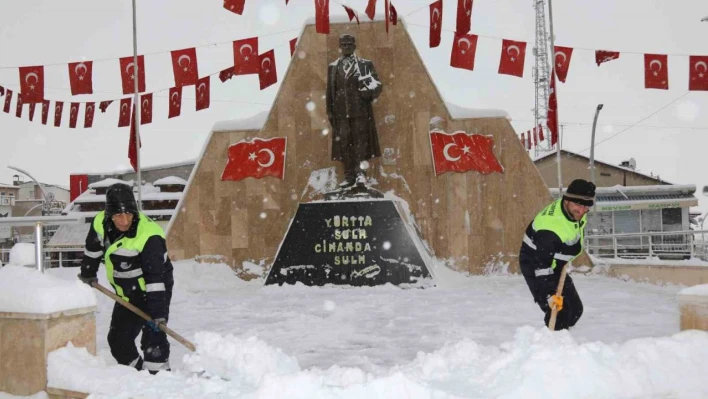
(350, 243)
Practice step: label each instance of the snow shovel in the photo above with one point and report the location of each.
(144, 315)
(559, 292)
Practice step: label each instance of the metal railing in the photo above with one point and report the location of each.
(53, 257)
(664, 245)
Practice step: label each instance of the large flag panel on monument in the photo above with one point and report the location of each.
(258, 158)
(460, 152)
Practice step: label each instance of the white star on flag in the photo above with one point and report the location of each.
(252, 156)
(466, 149)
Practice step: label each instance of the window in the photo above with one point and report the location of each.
(605, 174)
(11, 194)
(671, 219)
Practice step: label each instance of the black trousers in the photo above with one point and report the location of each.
(542, 288)
(124, 329)
(354, 144)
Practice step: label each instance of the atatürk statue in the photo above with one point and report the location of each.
(352, 85)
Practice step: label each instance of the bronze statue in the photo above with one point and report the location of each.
(352, 86)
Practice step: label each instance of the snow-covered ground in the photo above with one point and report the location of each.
(470, 337)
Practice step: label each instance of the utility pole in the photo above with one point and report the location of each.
(541, 76)
(592, 144)
(137, 106)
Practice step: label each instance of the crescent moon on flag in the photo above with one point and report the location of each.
(73, 110)
(57, 107)
(701, 63)
(127, 68)
(264, 60)
(89, 109)
(513, 47)
(651, 64)
(199, 88)
(184, 57)
(145, 101)
(447, 155)
(32, 74)
(270, 160)
(123, 108)
(562, 54)
(464, 40)
(248, 46)
(80, 66)
(436, 12)
(175, 96)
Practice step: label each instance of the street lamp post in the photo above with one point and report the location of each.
(592, 145)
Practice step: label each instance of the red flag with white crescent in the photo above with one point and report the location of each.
(45, 111)
(351, 14)
(512, 58)
(32, 108)
(528, 140)
(464, 48)
(89, 112)
(127, 74)
(656, 71)
(81, 77)
(552, 117)
(394, 14)
(132, 148)
(267, 75)
(8, 98)
(562, 60)
(235, 6)
(73, 115)
(698, 72)
(371, 9)
(175, 102)
(184, 66)
(602, 56)
(436, 12)
(322, 16)
(293, 44)
(540, 132)
(246, 56)
(32, 84)
(2, 91)
(18, 108)
(460, 152)
(124, 112)
(146, 109)
(464, 16)
(257, 158)
(58, 109)
(202, 93)
(387, 14)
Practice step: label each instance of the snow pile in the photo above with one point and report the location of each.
(38, 395)
(22, 254)
(25, 290)
(536, 364)
(203, 277)
(170, 180)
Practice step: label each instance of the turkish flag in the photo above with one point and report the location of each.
(293, 43)
(394, 14)
(2, 91)
(226, 74)
(127, 74)
(460, 152)
(32, 107)
(145, 109)
(656, 71)
(602, 56)
(351, 14)
(257, 158)
(464, 16)
(322, 16)
(32, 84)
(89, 112)
(387, 14)
(18, 106)
(552, 117)
(246, 56)
(8, 98)
(562, 60)
(73, 114)
(78, 184)
(176, 101)
(124, 116)
(436, 10)
(45, 111)
(512, 58)
(184, 66)
(132, 148)
(201, 92)
(267, 75)
(370, 9)
(539, 129)
(81, 77)
(103, 106)
(464, 48)
(535, 137)
(235, 6)
(698, 72)
(58, 108)
(528, 140)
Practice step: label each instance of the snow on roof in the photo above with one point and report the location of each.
(458, 112)
(87, 197)
(109, 182)
(8, 186)
(663, 189)
(27, 290)
(254, 122)
(70, 235)
(170, 180)
(142, 168)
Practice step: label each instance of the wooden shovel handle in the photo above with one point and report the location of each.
(559, 292)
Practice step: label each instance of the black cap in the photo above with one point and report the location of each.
(581, 192)
(120, 199)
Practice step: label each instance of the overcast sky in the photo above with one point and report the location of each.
(671, 143)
